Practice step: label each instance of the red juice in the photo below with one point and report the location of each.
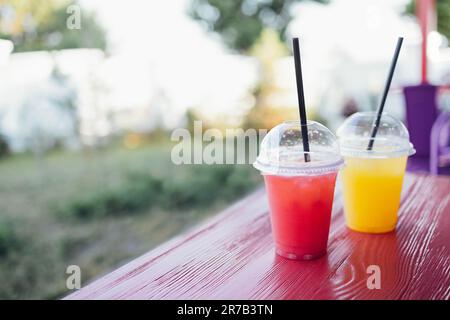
(300, 213)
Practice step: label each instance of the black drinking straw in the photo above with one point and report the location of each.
(385, 92)
(301, 99)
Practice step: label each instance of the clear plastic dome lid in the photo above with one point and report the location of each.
(391, 140)
(281, 151)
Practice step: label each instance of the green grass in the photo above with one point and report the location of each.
(98, 210)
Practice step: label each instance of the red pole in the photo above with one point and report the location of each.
(426, 13)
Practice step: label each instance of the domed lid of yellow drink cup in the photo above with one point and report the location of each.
(392, 138)
(376, 134)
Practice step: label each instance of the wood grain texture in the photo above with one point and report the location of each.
(232, 257)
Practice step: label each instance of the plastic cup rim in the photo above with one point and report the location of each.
(363, 153)
(307, 169)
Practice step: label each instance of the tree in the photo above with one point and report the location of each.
(4, 147)
(241, 22)
(443, 15)
(267, 112)
(41, 25)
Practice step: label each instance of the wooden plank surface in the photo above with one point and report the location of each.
(232, 257)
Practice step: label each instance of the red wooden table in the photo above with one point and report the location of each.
(232, 257)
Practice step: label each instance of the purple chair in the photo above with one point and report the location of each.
(421, 113)
(440, 144)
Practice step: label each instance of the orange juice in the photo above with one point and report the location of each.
(372, 188)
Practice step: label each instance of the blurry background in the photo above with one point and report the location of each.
(86, 114)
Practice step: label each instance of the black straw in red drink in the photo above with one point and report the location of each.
(301, 99)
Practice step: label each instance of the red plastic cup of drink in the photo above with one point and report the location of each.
(300, 192)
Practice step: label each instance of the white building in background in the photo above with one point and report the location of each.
(6, 47)
(75, 96)
(36, 105)
(111, 94)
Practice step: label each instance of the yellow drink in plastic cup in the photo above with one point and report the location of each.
(373, 179)
(372, 190)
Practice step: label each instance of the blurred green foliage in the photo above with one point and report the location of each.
(97, 209)
(135, 194)
(240, 22)
(42, 25)
(199, 186)
(205, 184)
(8, 237)
(28, 270)
(4, 147)
(443, 15)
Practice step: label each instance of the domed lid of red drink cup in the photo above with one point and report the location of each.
(391, 138)
(281, 151)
